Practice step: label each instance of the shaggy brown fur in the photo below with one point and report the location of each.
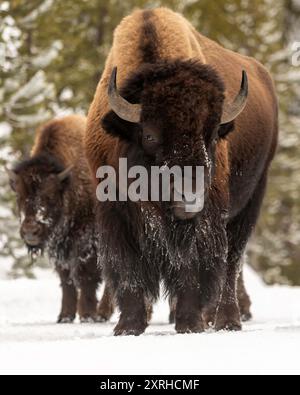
(59, 215)
(182, 80)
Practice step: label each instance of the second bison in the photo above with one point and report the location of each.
(57, 207)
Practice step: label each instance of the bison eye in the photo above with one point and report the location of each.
(150, 139)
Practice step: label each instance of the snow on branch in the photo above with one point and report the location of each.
(42, 9)
(33, 87)
(23, 121)
(46, 57)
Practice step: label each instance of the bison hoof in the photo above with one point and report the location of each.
(192, 325)
(187, 329)
(246, 317)
(228, 326)
(87, 320)
(129, 329)
(209, 318)
(128, 332)
(104, 314)
(65, 320)
(101, 319)
(228, 318)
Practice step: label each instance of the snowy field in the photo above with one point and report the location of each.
(30, 342)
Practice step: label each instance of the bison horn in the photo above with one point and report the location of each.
(65, 173)
(230, 112)
(11, 174)
(125, 110)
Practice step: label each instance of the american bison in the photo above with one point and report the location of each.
(57, 208)
(170, 96)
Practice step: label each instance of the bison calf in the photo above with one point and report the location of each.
(56, 203)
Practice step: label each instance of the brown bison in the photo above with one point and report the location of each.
(170, 96)
(57, 207)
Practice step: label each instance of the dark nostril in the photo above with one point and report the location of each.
(34, 232)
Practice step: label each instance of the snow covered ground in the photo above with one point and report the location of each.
(30, 341)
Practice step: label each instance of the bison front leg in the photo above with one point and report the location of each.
(134, 319)
(188, 317)
(106, 306)
(130, 266)
(69, 297)
(87, 303)
(202, 274)
(88, 277)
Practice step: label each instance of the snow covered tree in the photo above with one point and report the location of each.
(26, 97)
(25, 92)
(277, 248)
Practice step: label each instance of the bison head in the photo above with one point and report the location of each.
(39, 184)
(180, 116)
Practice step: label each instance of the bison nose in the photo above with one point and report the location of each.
(31, 231)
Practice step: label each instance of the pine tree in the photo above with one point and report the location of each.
(26, 98)
(278, 252)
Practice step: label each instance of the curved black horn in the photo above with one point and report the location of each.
(231, 111)
(125, 110)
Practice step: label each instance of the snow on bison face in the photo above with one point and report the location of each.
(180, 117)
(39, 184)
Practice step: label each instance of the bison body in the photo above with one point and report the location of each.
(174, 107)
(57, 207)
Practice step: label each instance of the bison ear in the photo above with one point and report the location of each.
(117, 127)
(12, 178)
(225, 129)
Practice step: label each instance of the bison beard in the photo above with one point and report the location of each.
(141, 247)
(179, 84)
